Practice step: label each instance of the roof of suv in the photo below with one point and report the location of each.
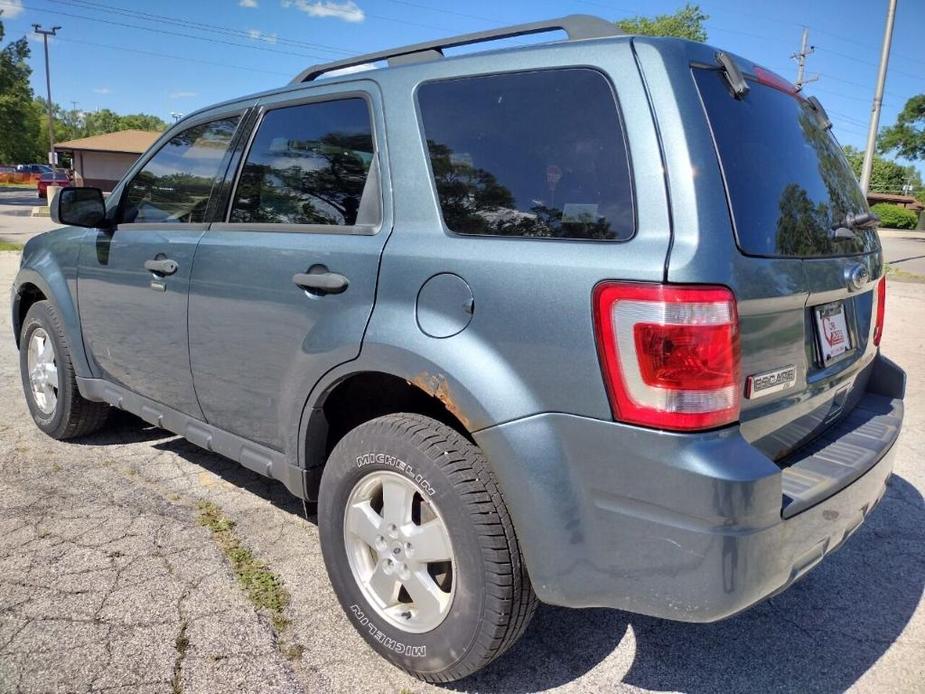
(577, 27)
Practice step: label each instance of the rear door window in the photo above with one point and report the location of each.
(786, 176)
(310, 164)
(538, 154)
(174, 186)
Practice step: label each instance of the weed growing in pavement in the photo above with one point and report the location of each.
(263, 587)
(182, 645)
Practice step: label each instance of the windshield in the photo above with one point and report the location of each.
(788, 181)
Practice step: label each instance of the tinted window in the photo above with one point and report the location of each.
(529, 154)
(787, 177)
(308, 164)
(174, 186)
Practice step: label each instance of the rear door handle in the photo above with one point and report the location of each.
(321, 282)
(163, 267)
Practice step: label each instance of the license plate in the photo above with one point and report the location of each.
(834, 339)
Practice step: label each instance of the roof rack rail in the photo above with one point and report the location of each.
(577, 26)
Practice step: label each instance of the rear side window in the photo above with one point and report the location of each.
(309, 164)
(787, 178)
(174, 186)
(538, 154)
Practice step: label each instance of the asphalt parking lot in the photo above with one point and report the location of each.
(110, 582)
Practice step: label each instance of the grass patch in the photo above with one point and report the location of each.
(902, 275)
(263, 587)
(10, 246)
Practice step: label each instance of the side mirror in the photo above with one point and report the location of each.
(79, 207)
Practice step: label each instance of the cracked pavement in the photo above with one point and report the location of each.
(108, 582)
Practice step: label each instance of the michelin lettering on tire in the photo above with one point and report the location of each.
(380, 636)
(397, 464)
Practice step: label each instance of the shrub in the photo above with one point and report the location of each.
(894, 216)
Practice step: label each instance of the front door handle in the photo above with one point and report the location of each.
(163, 267)
(321, 282)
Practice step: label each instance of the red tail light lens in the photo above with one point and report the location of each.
(670, 354)
(772, 79)
(881, 310)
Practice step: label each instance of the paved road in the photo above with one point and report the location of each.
(108, 583)
(16, 224)
(905, 250)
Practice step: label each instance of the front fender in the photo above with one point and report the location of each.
(50, 265)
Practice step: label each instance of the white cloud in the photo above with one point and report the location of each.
(248, 3)
(11, 8)
(258, 35)
(182, 95)
(347, 10)
(102, 90)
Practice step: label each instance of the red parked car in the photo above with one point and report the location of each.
(58, 178)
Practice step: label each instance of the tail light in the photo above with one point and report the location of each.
(772, 79)
(669, 353)
(881, 310)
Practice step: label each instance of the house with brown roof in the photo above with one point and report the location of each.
(101, 160)
(907, 201)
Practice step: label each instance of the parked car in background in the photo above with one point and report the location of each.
(34, 169)
(59, 177)
(593, 322)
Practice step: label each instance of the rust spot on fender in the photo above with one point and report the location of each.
(437, 386)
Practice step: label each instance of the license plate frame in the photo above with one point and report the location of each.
(833, 336)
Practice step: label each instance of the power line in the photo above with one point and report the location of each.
(167, 32)
(214, 28)
(173, 57)
(848, 56)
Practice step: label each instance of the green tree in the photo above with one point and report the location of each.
(686, 23)
(143, 121)
(18, 119)
(907, 136)
(886, 176)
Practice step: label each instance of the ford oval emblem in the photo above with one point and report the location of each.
(856, 277)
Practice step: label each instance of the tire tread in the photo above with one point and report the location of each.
(511, 601)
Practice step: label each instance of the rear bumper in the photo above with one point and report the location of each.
(680, 526)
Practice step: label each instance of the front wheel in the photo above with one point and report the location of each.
(420, 548)
(48, 378)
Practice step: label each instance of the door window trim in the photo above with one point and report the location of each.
(432, 181)
(162, 142)
(375, 172)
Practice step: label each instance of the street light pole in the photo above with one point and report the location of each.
(878, 98)
(51, 115)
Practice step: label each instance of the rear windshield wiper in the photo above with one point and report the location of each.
(844, 231)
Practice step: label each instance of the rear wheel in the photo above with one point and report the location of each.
(420, 547)
(48, 378)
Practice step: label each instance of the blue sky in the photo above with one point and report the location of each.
(168, 56)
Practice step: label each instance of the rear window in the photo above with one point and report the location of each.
(537, 154)
(787, 178)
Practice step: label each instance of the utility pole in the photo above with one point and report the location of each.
(805, 51)
(51, 109)
(176, 116)
(878, 98)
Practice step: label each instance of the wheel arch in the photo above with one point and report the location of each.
(26, 295)
(47, 282)
(464, 385)
(356, 396)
